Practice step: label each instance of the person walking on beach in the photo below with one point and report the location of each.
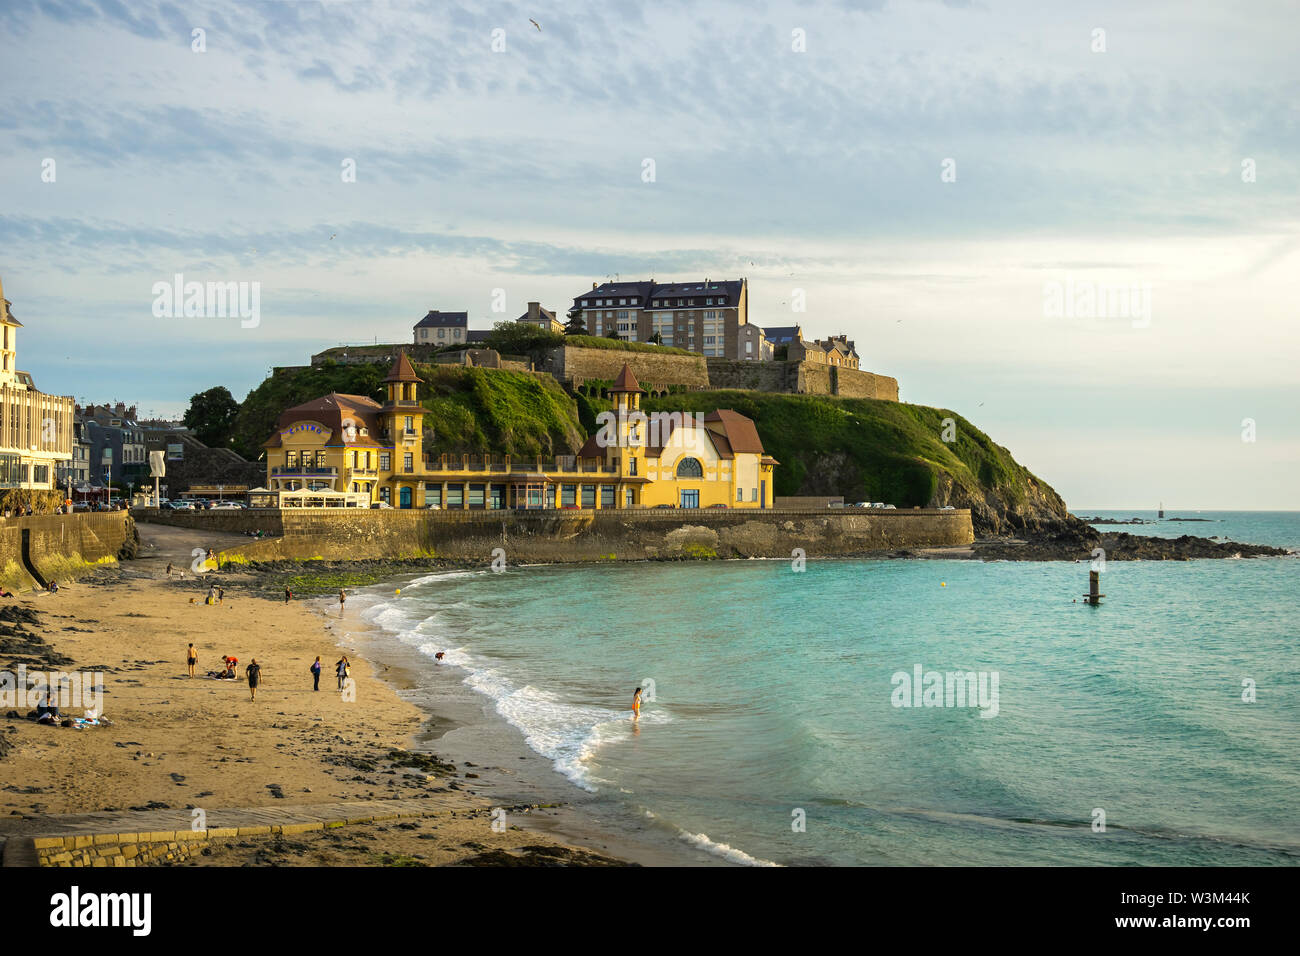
(636, 704)
(342, 670)
(254, 674)
(315, 673)
(191, 658)
(288, 595)
(221, 595)
(342, 597)
(169, 569)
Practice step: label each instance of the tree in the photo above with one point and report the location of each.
(612, 333)
(576, 325)
(211, 416)
(656, 339)
(518, 338)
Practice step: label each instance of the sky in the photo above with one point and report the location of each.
(933, 179)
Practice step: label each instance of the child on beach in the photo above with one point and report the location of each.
(315, 673)
(191, 658)
(288, 595)
(342, 598)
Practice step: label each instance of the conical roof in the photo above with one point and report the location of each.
(626, 381)
(402, 370)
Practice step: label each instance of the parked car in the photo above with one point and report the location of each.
(80, 506)
(378, 505)
(182, 506)
(890, 507)
(657, 507)
(719, 506)
(864, 504)
(227, 506)
(948, 508)
(433, 507)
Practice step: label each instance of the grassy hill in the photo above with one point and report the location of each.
(472, 410)
(869, 450)
(863, 449)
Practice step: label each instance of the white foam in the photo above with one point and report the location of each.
(724, 851)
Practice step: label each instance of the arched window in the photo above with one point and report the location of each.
(690, 468)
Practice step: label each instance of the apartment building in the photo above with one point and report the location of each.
(704, 316)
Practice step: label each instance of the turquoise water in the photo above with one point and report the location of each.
(774, 700)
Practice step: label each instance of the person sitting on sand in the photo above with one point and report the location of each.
(48, 712)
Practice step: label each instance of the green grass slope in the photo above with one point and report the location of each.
(869, 450)
(471, 410)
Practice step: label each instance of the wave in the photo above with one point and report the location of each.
(566, 734)
(723, 850)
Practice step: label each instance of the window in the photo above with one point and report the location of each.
(291, 460)
(631, 466)
(442, 333)
(690, 499)
(384, 494)
(749, 347)
(690, 468)
(634, 299)
(607, 496)
(455, 496)
(584, 303)
(432, 496)
(385, 461)
(408, 462)
(628, 498)
(476, 494)
(496, 496)
(754, 494)
(622, 314)
(740, 494)
(568, 495)
(589, 496)
(321, 460)
(410, 423)
(622, 301)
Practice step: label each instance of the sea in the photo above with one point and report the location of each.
(891, 712)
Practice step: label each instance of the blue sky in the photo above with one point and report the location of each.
(817, 170)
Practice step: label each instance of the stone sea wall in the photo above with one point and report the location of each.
(801, 378)
(577, 536)
(62, 546)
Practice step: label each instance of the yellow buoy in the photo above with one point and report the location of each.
(398, 591)
(943, 584)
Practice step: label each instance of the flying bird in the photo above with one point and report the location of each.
(536, 24)
(335, 234)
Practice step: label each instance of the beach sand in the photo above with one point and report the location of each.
(180, 742)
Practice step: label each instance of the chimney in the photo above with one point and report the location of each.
(593, 287)
(534, 311)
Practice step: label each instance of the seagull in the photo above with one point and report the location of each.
(536, 24)
(335, 234)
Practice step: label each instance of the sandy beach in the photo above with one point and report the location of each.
(178, 742)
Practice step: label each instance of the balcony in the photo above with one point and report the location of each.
(303, 470)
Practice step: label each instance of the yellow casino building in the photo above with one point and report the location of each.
(349, 450)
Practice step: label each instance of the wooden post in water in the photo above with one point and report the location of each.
(1094, 594)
